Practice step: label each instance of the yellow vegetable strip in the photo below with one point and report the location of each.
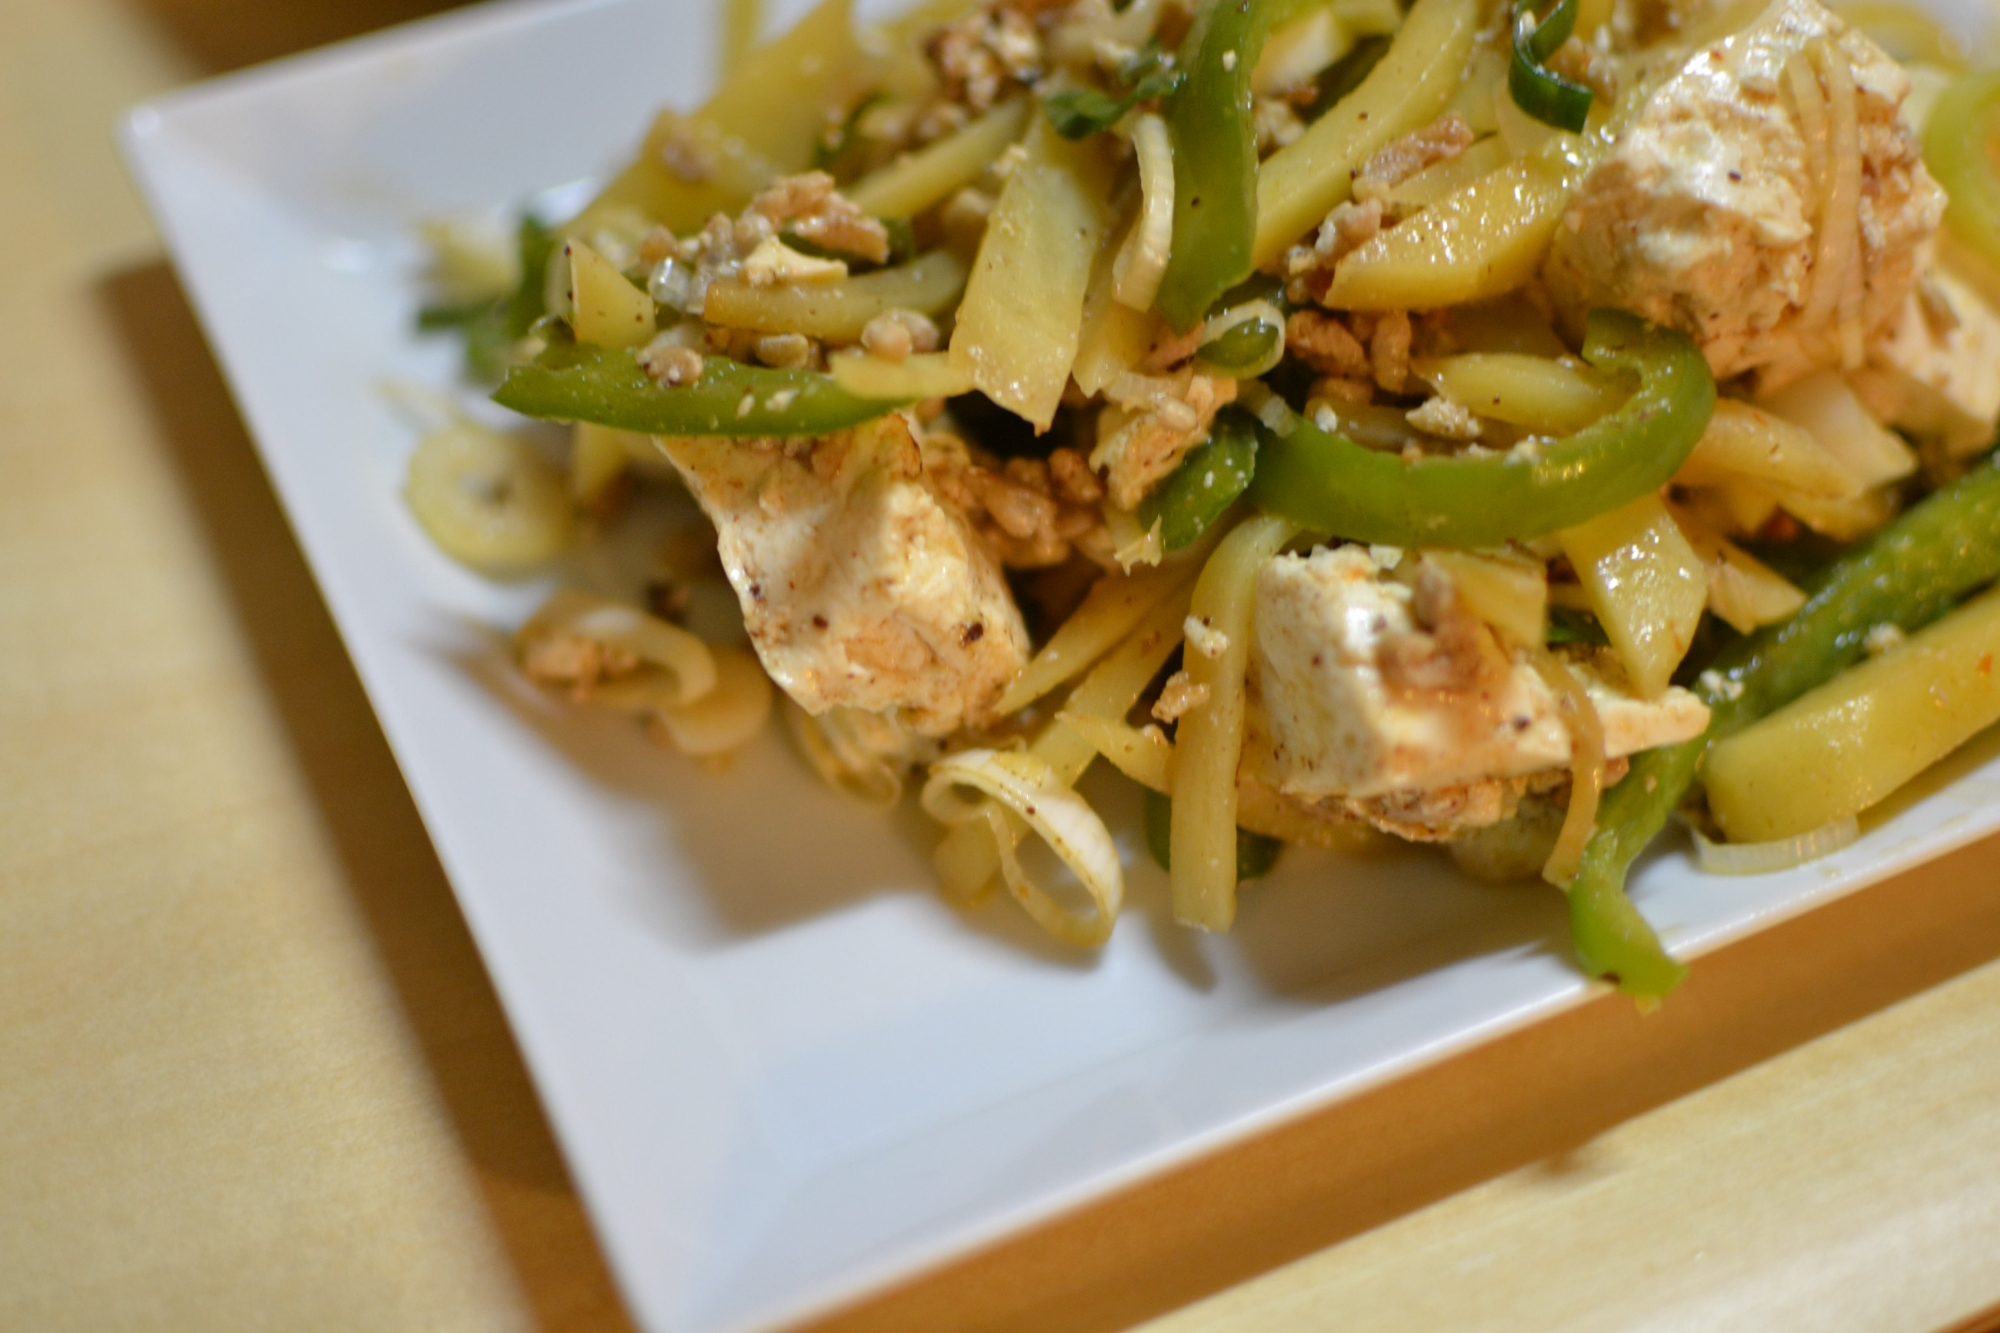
(1746, 441)
(1210, 740)
(605, 309)
(1545, 396)
(762, 122)
(921, 180)
(775, 102)
(1017, 327)
(742, 25)
(1144, 755)
(1486, 240)
(1299, 184)
(918, 376)
(1447, 178)
(1114, 684)
(598, 456)
(1586, 787)
(1844, 746)
(1742, 590)
(838, 311)
(1646, 585)
(686, 171)
(1110, 611)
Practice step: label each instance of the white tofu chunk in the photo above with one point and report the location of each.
(1705, 214)
(1360, 698)
(861, 585)
(1935, 370)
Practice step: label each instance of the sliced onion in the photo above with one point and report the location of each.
(1586, 787)
(488, 499)
(1142, 260)
(967, 858)
(841, 757)
(1766, 858)
(1026, 793)
(728, 716)
(687, 663)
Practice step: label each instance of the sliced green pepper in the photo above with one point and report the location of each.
(608, 387)
(1907, 575)
(1537, 90)
(1255, 853)
(1332, 485)
(1209, 479)
(1215, 157)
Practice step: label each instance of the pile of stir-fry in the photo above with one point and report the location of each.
(1475, 425)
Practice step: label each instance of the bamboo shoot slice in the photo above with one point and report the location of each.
(1299, 184)
(1018, 325)
(1484, 241)
(910, 185)
(1646, 585)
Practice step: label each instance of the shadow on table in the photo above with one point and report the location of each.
(359, 794)
(1536, 1099)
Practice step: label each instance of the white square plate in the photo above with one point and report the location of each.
(784, 1072)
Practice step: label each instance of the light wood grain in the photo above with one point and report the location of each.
(253, 1077)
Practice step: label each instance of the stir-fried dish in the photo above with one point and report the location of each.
(1496, 427)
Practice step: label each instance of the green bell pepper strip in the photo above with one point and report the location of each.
(608, 387)
(1330, 484)
(1215, 157)
(1209, 479)
(1547, 96)
(1255, 853)
(1907, 575)
(1955, 138)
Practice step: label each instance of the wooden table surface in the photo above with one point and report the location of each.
(252, 1075)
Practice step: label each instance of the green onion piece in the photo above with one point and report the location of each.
(1209, 479)
(1548, 97)
(1255, 853)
